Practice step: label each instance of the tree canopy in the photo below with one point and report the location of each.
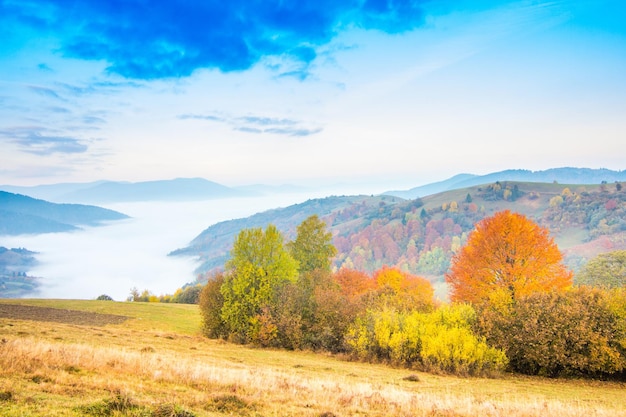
(258, 267)
(404, 291)
(506, 253)
(576, 332)
(607, 270)
(312, 248)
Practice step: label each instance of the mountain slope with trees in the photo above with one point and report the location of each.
(14, 264)
(214, 243)
(566, 175)
(420, 236)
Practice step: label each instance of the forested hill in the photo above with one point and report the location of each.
(421, 235)
(14, 280)
(213, 244)
(566, 175)
(20, 214)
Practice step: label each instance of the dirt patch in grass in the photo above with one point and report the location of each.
(57, 315)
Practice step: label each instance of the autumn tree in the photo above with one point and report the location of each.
(189, 294)
(211, 302)
(313, 313)
(354, 283)
(312, 248)
(577, 332)
(404, 291)
(259, 266)
(607, 270)
(297, 313)
(506, 253)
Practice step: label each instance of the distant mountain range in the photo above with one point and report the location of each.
(190, 189)
(559, 175)
(20, 214)
(179, 189)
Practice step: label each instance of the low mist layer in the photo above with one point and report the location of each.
(132, 253)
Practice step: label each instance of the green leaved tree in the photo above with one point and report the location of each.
(313, 248)
(258, 268)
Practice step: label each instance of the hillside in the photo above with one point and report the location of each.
(214, 243)
(14, 264)
(421, 235)
(566, 175)
(20, 214)
(103, 358)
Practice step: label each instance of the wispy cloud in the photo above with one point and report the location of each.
(45, 91)
(90, 120)
(116, 85)
(293, 132)
(151, 40)
(58, 109)
(77, 90)
(258, 124)
(39, 141)
(266, 121)
(96, 87)
(210, 117)
(248, 129)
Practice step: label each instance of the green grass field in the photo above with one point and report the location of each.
(156, 363)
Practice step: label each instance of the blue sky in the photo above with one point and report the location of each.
(390, 92)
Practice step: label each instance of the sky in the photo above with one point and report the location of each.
(308, 92)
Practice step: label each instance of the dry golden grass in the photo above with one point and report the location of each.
(144, 368)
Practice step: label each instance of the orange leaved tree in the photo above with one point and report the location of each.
(506, 254)
(354, 283)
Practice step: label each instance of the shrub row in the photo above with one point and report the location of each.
(581, 332)
(438, 341)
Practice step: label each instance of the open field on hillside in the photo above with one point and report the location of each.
(524, 205)
(152, 362)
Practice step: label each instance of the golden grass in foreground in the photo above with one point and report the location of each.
(68, 370)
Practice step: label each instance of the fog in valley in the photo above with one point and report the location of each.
(114, 258)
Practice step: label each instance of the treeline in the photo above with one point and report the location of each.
(281, 295)
(513, 307)
(189, 294)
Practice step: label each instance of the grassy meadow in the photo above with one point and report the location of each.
(156, 363)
